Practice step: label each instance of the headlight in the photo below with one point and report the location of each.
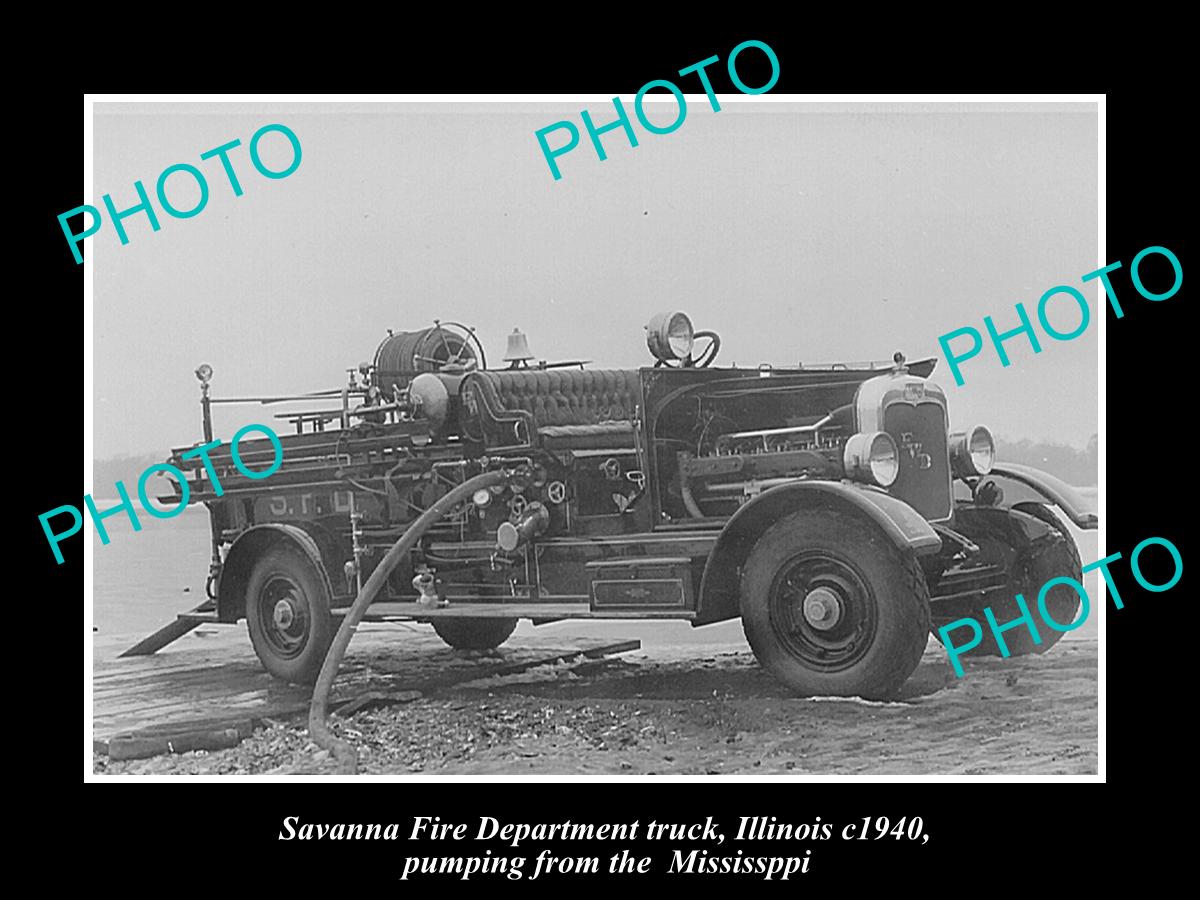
(670, 336)
(972, 452)
(872, 457)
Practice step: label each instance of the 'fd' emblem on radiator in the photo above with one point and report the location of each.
(913, 449)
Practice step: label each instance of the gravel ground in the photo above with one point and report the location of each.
(662, 713)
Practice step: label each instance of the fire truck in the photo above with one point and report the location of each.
(832, 508)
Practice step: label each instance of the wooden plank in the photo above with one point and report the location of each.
(168, 692)
(255, 716)
(171, 708)
(191, 659)
(376, 698)
(173, 631)
(103, 685)
(613, 649)
(135, 747)
(515, 668)
(202, 618)
(212, 683)
(163, 708)
(165, 695)
(210, 690)
(244, 725)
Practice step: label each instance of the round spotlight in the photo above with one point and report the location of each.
(670, 336)
(204, 373)
(972, 452)
(872, 457)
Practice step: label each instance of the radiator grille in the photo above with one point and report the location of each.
(924, 480)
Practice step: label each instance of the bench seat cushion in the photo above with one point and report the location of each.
(569, 408)
(569, 396)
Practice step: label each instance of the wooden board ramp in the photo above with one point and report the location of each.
(176, 699)
(173, 631)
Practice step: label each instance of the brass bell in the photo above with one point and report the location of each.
(518, 347)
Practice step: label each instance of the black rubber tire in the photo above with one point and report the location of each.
(1047, 515)
(474, 634)
(1032, 566)
(895, 597)
(288, 570)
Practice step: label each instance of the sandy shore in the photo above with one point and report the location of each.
(703, 710)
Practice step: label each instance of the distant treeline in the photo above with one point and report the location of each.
(107, 472)
(1074, 466)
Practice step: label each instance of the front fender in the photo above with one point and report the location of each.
(899, 522)
(1019, 481)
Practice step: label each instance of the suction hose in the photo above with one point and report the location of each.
(318, 728)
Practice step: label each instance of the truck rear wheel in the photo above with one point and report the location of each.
(474, 634)
(287, 615)
(831, 607)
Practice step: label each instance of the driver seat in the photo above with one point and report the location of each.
(556, 409)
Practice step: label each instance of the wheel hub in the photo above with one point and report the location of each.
(284, 615)
(822, 609)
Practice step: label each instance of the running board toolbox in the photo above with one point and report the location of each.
(641, 582)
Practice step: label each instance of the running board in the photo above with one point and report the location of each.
(542, 611)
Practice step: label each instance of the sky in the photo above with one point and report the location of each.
(799, 232)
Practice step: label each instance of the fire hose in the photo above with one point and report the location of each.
(318, 728)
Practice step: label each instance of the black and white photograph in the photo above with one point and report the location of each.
(509, 437)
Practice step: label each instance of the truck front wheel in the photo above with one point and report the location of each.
(287, 615)
(1029, 564)
(831, 607)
